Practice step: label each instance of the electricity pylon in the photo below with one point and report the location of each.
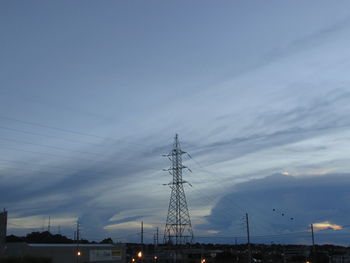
(178, 228)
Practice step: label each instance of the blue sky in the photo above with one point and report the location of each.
(92, 95)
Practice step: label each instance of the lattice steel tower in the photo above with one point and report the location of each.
(178, 228)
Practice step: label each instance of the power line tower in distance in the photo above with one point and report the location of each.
(178, 228)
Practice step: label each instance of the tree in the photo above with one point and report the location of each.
(107, 240)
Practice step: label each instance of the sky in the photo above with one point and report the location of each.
(93, 93)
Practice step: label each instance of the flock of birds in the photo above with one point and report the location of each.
(281, 213)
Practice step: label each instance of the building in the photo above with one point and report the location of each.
(296, 254)
(340, 259)
(70, 253)
(3, 228)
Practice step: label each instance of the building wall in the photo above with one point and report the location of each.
(67, 253)
(3, 227)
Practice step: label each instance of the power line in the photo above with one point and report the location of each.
(56, 128)
(49, 146)
(298, 233)
(46, 135)
(66, 171)
(75, 156)
(66, 131)
(40, 165)
(228, 212)
(43, 153)
(218, 183)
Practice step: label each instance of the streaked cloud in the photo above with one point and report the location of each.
(213, 232)
(326, 225)
(128, 226)
(38, 221)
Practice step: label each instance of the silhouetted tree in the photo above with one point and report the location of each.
(107, 241)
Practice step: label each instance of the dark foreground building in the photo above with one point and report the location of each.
(70, 253)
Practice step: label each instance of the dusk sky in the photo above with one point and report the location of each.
(92, 94)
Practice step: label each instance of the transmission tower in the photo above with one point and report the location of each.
(178, 228)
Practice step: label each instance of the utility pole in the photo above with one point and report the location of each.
(156, 246)
(141, 233)
(312, 236)
(313, 243)
(248, 239)
(78, 237)
(142, 255)
(49, 225)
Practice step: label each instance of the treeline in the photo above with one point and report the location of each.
(48, 238)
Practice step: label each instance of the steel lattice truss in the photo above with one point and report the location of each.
(178, 228)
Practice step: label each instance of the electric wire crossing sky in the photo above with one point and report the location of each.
(178, 228)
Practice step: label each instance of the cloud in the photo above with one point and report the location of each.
(326, 225)
(128, 226)
(33, 222)
(282, 204)
(213, 232)
(286, 126)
